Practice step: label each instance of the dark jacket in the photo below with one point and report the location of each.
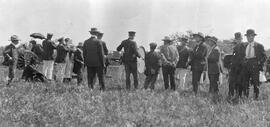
(213, 61)
(38, 50)
(130, 51)
(259, 53)
(48, 47)
(184, 53)
(62, 51)
(152, 62)
(198, 58)
(93, 53)
(238, 55)
(9, 57)
(78, 60)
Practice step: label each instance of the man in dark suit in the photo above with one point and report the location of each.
(253, 64)
(48, 47)
(10, 57)
(213, 66)
(130, 58)
(94, 59)
(78, 63)
(236, 66)
(198, 60)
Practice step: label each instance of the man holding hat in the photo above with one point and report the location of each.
(236, 66)
(48, 61)
(170, 58)
(214, 67)
(10, 57)
(93, 54)
(181, 67)
(152, 64)
(198, 60)
(253, 64)
(130, 58)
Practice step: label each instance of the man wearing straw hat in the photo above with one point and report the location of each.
(10, 57)
(253, 63)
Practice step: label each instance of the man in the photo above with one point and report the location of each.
(105, 49)
(181, 67)
(37, 49)
(94, 59)
(170, 58)
(253, 64)
(236, 66)
(198, 60)
(60, 60)
(130, 58)
(213, 67)
(152, 64)
(78, 63)
(10, 57)
(48, 47)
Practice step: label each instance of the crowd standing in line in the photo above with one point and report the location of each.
(246, 62)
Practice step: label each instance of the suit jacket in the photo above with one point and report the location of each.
(198, 57)
(259, 53)
(130, 51)
(238, 55)
(213, 61)
(93, 53)
(184, 53)
(78, 60)
(152, 62)
(48, 47)
(170, 55)
(62, 51)
(9, 56)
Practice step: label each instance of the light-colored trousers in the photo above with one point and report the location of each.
(181, 74)
(47, 69)
(60, 71)
(68, 69)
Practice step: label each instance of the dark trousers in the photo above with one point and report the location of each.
(196, 75)
(251, 74)
(235, 79)
(214, 80)
(79, 76)
(91, 74)
(150, 81)
(169, 72)
(11, 72)
(131, 68)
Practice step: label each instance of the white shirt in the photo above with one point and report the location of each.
(250, 50)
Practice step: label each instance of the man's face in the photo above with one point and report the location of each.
(198, 39)
(49, 37)
(15, 42)
(250, 38)
(131, 37)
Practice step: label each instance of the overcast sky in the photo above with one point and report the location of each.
(151, 19)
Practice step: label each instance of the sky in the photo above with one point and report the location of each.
(151, 19)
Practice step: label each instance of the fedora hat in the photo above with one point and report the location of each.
(250, 32)
(94, 31)
(166, 38)
(14, 38)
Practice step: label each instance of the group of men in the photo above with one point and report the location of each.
(173, 59)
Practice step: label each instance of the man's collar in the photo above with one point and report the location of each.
(13, 44)
(93, 36)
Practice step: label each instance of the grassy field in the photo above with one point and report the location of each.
(67, 105)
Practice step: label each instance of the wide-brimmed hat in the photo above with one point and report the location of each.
(250, 32)
(14, 38)
(94, 31)
(199, 34)
(166, 38)
(213, 39)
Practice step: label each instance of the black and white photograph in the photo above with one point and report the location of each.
(134, 63)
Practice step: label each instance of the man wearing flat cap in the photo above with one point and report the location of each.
(10, 57)
(253, 63)
(48, 61)
(213, 66)
(198, 60)
(236, 66)
(130, 58)
(181, 67)
(94, 60)
(170, 57)
(152, 64)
